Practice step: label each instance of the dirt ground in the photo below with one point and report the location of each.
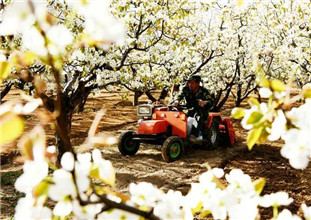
(148, 165)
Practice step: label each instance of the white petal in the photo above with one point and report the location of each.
(265, 92)
(306, 210)
(62, 208)
(219, 173)
(67, 161)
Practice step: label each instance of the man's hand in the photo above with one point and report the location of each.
(202, 103)
(175, 104)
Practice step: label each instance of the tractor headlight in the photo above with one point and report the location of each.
(144, 110)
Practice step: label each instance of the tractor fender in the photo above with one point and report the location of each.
(152, 127)
(211, 116)
(230, 130)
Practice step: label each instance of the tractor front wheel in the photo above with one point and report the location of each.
(128, 146)
(172, 149)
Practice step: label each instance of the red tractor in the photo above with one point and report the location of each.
(169, 126)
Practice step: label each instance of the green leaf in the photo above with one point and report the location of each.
(205, 213)
(264, 134)
(253, 137)
(11, 126)
(253, 102)
(307, 93)
(259, 184)
(264, 83)
(198, 208)
(254, 117)
(5, 69)
(238, 113)
(29, 57)
(94, 172)
(277, 85)
(41, 189)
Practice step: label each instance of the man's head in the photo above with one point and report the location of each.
(194, 83)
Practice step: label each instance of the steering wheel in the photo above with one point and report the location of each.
(178, 108)
(172, 108)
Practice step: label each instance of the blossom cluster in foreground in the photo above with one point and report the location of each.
(72, 187)
(278, 119)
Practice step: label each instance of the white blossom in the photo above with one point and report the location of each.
(82, 170)
(245, 209)
(106, 170)
(169, 207)
(297, 148)
(265, 92)
(62, 208)
(287, 215)
(27, 209)
(118, 214)
(145, 194)
(306, 211)
(99, 23)
(67, 161)
(33, 173)
(217, 204)
(58, 191)
(86, 212)
(275, 199)
(34, 41)
(218, 172)
(278, 126)
(17, 18)
(240, 183)
(60, 37)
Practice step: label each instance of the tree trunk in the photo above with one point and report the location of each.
(137, 94)
(238, 102)
(238, 99)
(217, 100)
(163, 94)
(150, 96)
(82, 103)
(63, 126)
(221, 103)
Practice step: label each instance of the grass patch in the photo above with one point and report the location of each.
(9, 178)
(13, 199)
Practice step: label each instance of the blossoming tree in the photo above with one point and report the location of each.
(74, 52)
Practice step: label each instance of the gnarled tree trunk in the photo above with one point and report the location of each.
(137, 94)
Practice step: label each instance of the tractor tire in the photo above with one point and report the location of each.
(212, 135)
(127, 146)
(172, 149)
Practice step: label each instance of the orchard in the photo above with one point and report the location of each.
(73, 72)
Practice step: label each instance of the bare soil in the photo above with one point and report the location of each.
(148, 165)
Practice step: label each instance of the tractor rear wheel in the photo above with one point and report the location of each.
(128, 146)
(172, 149)
(212, 135)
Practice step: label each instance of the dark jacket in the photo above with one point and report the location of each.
(192, 99)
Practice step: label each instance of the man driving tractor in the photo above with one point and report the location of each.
(198, 102)
(172, 128)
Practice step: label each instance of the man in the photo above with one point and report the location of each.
(198, 101)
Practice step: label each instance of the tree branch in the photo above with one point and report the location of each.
(124, 207)
(204, 62)
(6, 90)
